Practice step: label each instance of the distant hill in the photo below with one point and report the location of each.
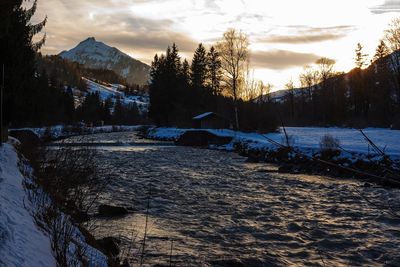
(97, 55)
(390, 61)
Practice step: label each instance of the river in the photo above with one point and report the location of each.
(211, 208)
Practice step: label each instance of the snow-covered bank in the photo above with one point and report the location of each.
(59, 131)
(22, 243)
(306, 139)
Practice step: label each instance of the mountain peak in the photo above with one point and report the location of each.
(98, 55)
(89, 40)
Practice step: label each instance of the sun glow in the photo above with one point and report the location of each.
(285, 35)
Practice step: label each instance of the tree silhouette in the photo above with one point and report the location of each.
(234, 53)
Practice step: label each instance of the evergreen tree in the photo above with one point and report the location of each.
(165, 89)
(185, 73)
(361, 58)
(17, 55)
(381, 51)
(214, 71)
(91, 109)
(106, 113)
(381, 76)
(199, 67)
(119, 112)
(132, 115)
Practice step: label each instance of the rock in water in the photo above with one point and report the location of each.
(110, 211)
(109, 245)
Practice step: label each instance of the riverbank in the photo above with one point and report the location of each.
(29, 235)
(63, 131)
(330, 151)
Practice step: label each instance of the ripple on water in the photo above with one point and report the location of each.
(220, 211)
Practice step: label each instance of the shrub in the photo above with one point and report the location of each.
(329, 146)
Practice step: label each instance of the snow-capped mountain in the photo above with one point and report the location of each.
(97, 55)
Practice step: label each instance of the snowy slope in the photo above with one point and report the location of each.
(307, 138)
(142, 102)
(21, 242)
(97, 55)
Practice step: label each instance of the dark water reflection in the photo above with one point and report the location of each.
(216, 210)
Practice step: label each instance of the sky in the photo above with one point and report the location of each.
(285, 35)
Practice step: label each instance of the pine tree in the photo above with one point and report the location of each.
(119, 112)
(214, 71)
(199, 67)
(361, 58)
(382, 87)
(381, 51)
(106, 114)
(185, 72)
(17, 54)
(164, 88)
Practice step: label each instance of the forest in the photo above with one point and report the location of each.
(368, 95)
(38, 90)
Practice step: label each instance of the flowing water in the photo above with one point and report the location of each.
(211, 208)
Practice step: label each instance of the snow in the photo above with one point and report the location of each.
(58, 131)
(201, 116)
(105, 92)
(21, 241)
(305, 138)
(90, 49)
(97, 55)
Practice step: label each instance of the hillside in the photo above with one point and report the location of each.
(97, 55)
(114, 92)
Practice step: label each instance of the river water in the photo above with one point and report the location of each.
(211, 208)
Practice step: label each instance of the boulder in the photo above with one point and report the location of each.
(25, 136)
(109, 245)
(285, 168)
(201, 138)
(111, 211)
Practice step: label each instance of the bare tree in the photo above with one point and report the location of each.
(234, 53)
(290, 96)
(392, 40)
(325, 72)
(249, 85)
(325, 67)
(267, 91)
(308, 79)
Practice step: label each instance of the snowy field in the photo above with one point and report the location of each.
(306, 138)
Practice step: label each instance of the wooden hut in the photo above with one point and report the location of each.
(210, 120)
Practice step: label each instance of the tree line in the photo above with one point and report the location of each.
(214, 81)
(368, 95)
(39, 90)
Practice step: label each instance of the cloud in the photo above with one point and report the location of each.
(71, 22)
(150, 43)
(300, 39)
(304, 34)
(281, 59)
(386, 7)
